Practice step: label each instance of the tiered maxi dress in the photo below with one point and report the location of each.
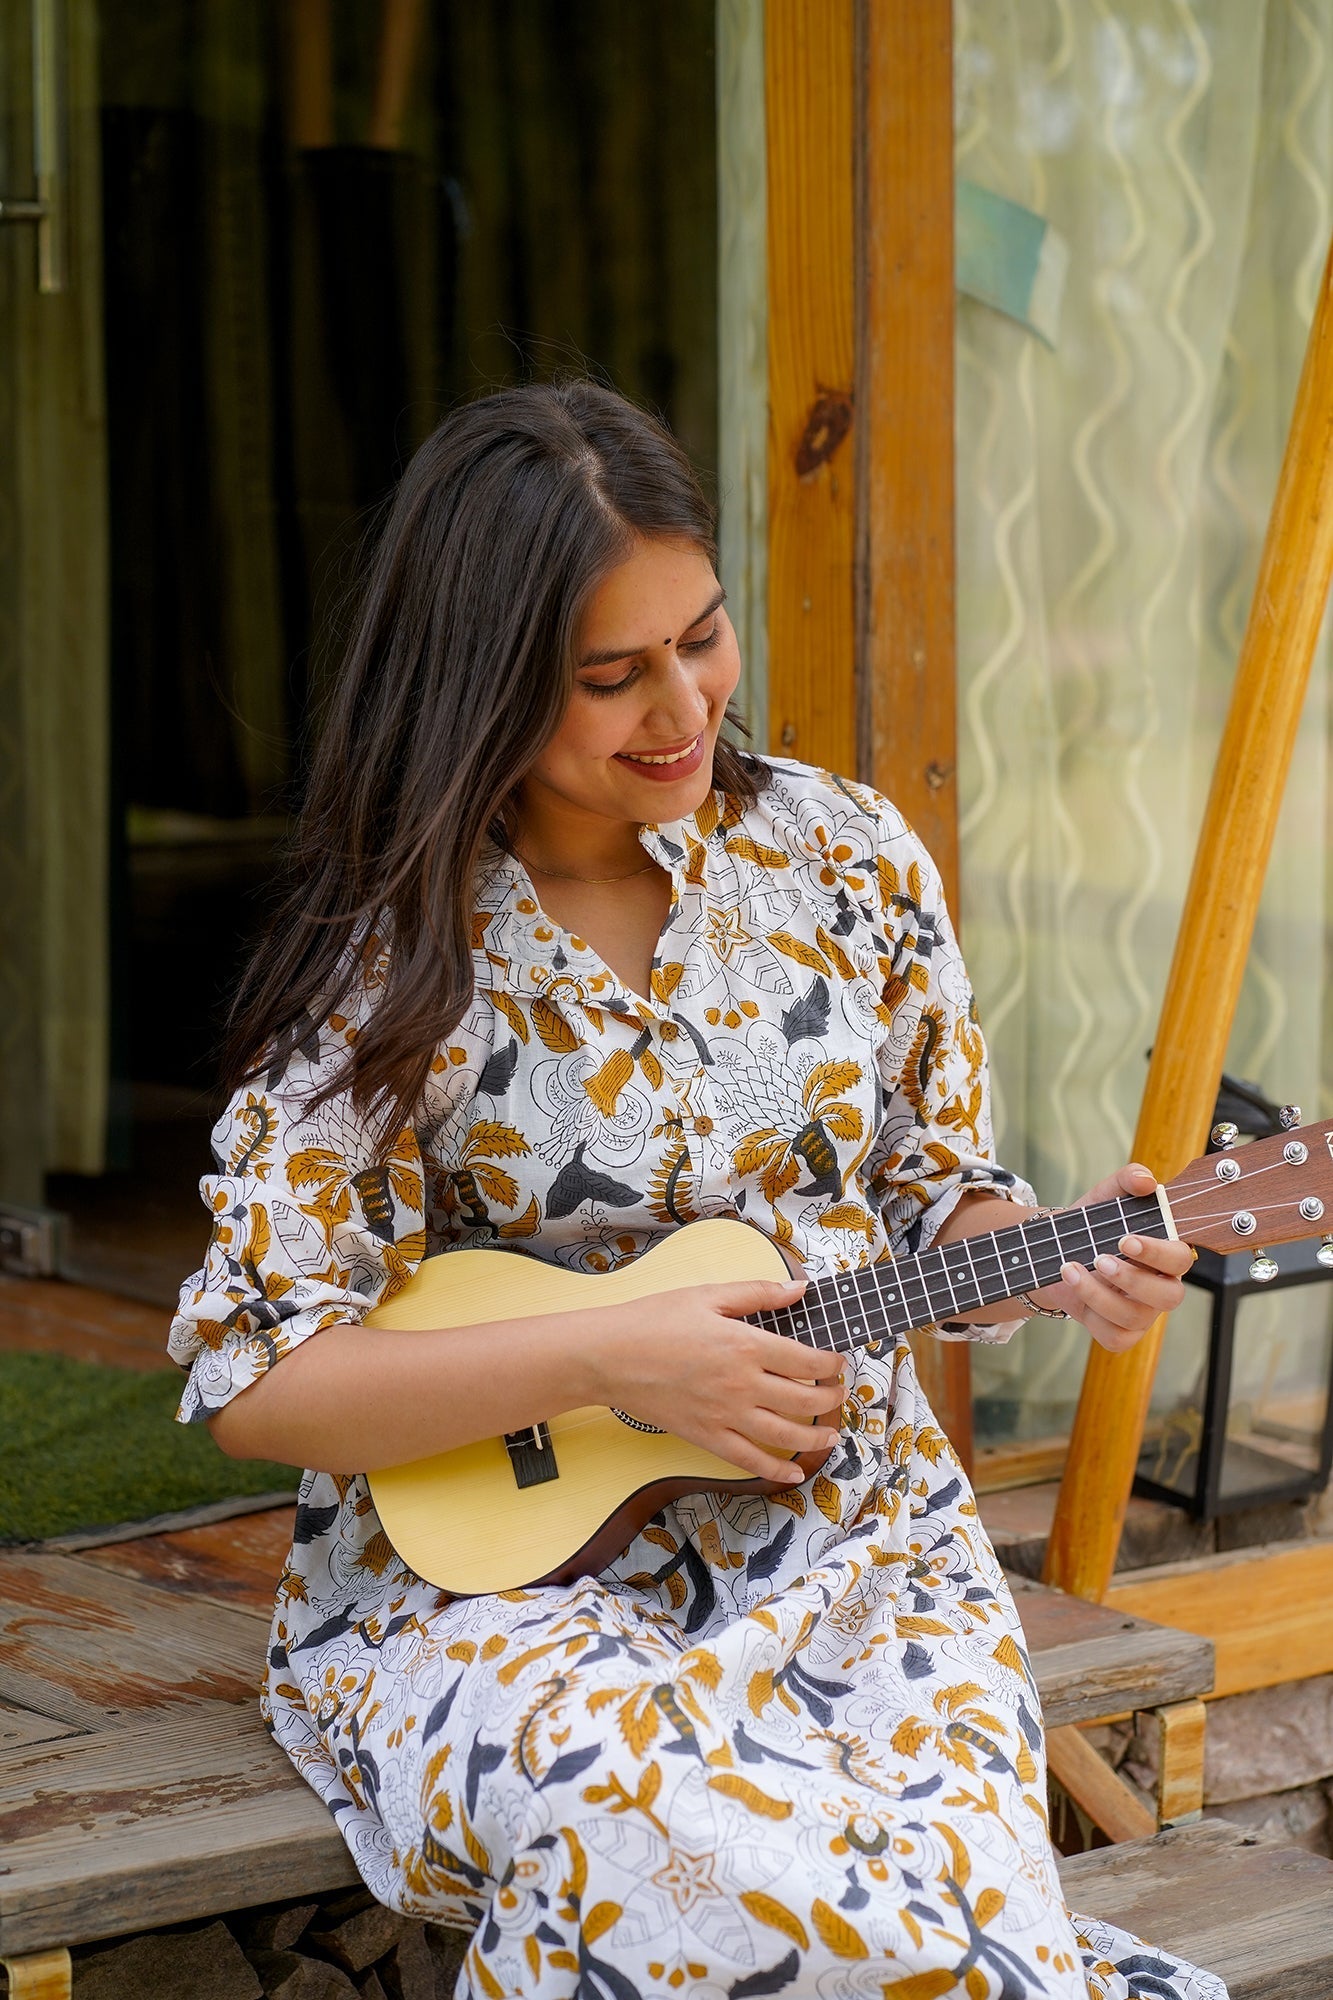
(780, 1746)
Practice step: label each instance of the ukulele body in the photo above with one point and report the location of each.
(460, 1519)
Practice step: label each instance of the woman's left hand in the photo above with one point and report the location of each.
(1118, 1298)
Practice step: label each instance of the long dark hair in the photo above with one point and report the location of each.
(456, 673)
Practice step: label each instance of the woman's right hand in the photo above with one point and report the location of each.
(690, 1362)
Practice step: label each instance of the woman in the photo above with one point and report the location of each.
(561, 971)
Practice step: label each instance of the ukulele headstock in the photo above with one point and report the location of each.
(1269, 1191)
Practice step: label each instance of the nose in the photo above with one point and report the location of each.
(682, 708)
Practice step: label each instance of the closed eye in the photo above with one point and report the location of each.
(610, 687)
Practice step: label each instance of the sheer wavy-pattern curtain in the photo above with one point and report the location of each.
(1113, 493)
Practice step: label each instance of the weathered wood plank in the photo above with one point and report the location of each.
(81, 1643)
(232, 1562)
(1091, 1660)
(180, 1816)
(19, 1727)
(1255, 1912)
(1146, 1667)
(1261, 1609)
(809, 70)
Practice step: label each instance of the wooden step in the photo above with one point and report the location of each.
(1091, 1661)
(138, 1786)
(1256, 1912)
(177, 1816)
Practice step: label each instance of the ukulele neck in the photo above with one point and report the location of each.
(905, 1294)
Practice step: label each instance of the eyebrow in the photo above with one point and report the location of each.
(611, 657)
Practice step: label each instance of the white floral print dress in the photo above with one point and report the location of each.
(780, 1746)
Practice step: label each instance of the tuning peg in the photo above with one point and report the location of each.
(1324, 1254)
(1224, 1134)
(1289, 1117)
(1262, 1268)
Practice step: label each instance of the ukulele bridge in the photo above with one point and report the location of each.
(532, 1455)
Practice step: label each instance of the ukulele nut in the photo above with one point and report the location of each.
(1312, 1208)
(1243, 1222)
(1262, 1268)
(1289, 1117)
(1294, 1153)
(1227, 1169)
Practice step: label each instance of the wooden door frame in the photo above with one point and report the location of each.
(862, 664)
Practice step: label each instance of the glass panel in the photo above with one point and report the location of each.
(1174, 1431)
(1279, 1389)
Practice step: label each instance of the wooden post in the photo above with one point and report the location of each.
(1214, 939)
(905, 474)
(861, 654)
(905, 412)
(809, 65)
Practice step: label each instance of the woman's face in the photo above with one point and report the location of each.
(657, 664)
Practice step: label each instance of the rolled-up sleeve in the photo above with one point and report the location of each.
(936, 1143)
(312, 1225)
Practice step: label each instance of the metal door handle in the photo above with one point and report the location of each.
(45, 208)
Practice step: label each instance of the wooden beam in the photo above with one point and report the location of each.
(809, 64)
(905, 415)
(1264, 1610)
(1214, 939)
(1091, 1783)
(907, 655)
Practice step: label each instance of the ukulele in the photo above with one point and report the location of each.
(562, 1499)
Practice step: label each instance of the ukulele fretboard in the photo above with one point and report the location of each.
(902, 1294)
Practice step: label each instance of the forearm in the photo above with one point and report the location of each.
(978, 1215)
(356, 1397)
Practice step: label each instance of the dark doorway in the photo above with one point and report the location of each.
(324, 224)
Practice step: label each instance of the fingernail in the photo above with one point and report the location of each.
(1072, 1273)
(1131, 1246)
(1107, 1266)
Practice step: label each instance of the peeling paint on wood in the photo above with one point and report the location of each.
(79, 1642)
(232, 1562)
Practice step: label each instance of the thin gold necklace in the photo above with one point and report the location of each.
(592, 881)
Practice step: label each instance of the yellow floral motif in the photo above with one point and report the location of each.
(782, 1744)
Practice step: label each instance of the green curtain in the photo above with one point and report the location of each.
(53, 648)
(1113, 493)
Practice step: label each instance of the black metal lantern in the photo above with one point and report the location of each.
(1242, 1406)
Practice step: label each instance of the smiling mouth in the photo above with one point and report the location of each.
(674, 757)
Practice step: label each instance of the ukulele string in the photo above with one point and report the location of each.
(1211, 1184)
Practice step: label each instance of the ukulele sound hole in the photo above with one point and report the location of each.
(532, 1456)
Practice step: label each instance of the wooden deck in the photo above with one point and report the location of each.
(137, 1784)
(138, 1787)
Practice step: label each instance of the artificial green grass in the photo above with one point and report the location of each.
(82, 1446)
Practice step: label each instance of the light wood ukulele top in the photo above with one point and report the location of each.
(563, 1499)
